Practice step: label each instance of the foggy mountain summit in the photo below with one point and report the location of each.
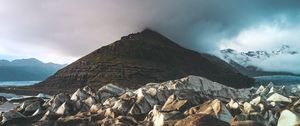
(141, 58)
(263, 62)
(251, 57)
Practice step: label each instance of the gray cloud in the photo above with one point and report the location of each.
(73, 28)
(281, 63)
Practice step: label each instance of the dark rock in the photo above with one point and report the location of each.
(182, 100)
(173, 104)
(123, 105)
(119, 121)
(233, 107)
(81, 106)
(2, 100)
(127, 120)
(109, 91)
(13, 117)
(212, 107)
(79, 95)
(201, 120)
(28, 107)
(246, 123)
(95, 108)
(44, 123)
(254, 118)
(111, 113)
(159, 118)
(58, 100)
(37, 115)
(80, 119)
(33, 107)
(20, 100)
(50, 115)
(90, 101)
(67, 108)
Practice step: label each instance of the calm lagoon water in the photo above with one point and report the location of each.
(278, 79)
(17, 83)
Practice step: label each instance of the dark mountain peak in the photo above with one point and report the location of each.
(138, 59)
(228, 51)
(151, 33)
(147, 44)
(148, 37)
(145, 33)
(148, 30)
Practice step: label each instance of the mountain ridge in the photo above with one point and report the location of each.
(140, 58)
(243, 61)
(245, 58)
(26, 70)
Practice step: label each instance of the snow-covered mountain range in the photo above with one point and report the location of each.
(248, 58)
(248, 63)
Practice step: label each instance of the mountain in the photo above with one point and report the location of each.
(246, 58)
(138, 59)
(26, 70)
(243, 61)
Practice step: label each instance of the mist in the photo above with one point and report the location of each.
(281, 63)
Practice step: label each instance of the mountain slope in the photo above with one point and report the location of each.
(140, 58)
(26, 70)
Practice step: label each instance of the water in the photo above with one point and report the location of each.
(278, 79)
(17, 83)
(8, 95)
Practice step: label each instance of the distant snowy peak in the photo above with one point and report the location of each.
(285, 49)
(245, 58)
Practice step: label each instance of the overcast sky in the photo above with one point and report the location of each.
(61, 31)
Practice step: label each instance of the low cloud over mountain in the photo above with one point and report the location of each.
(63, 31)
(283, 59)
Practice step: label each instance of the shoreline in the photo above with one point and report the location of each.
(189, 99)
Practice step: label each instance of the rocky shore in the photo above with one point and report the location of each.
(188, 101)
